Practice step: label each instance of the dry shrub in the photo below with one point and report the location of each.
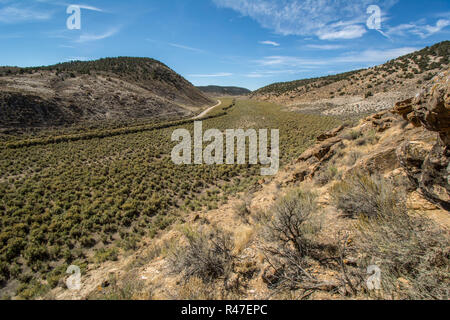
(412, 253)
(207, 256)
(130, 287)
(290, 223)
(352, 135)
(363, 195)
(291, 239)
(326, 176)
(244, 236)
(353, 157)
(242, 210)
(195, 289)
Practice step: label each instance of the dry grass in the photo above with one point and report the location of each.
(370, 196)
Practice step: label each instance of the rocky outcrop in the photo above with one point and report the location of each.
(427, 163)
(320, 151)
(330, 134)
(381, 121)
(380, 161)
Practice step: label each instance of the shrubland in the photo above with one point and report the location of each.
(85, 198)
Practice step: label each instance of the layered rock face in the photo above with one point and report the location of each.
(427, 163)
(418, 152)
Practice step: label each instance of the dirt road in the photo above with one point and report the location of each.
(204, 113)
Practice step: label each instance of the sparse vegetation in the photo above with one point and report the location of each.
(291, 240)
(411, 251)
(89, 195)
(363, 195)
(62, 199)
(206, 256)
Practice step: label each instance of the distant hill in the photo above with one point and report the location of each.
(120, 88)
(361, 91)
(224, 91)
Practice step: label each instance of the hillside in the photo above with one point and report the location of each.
(360, 92)
(375, 194)
(218, 91)
(107, 89)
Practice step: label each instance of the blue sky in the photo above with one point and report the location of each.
(249, 43)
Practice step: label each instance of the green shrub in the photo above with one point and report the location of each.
(103, 255)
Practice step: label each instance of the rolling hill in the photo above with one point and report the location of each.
(361, 92)
(217, 91)
(107, 89)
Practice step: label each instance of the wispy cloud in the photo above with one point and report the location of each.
(271, 73)
(82, 6)
(18, 14)
(288, 61)
(369, 56)
(374, 56)
(346, 32)
(78, 59)
(270, 43)
(212, 75)
(325, 46)
(95, 37)
(180, 46)
(66, 4)
(326, 19)
(419, 28)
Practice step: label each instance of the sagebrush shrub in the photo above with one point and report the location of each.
(363, 195)
(291, 238)
(411, 251)
(206, 256)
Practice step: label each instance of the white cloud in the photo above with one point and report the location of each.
(270, 43)
(212, 75)
(63, 4)
(374, 56)
(325, 46)
(419, 29)
(348, 32)
(30, 11)
(82, 6)
(288, 61)
(95, 37)
(176, 45)
(441, 24)
(271, 73)
(369, 56)
(326, 19)
(78, 59)
(17, 14)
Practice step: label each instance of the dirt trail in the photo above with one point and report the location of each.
(204, 113)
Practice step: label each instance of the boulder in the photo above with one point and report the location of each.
(382, 161)
(432, 106)
(427, 163)
(412, 155)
